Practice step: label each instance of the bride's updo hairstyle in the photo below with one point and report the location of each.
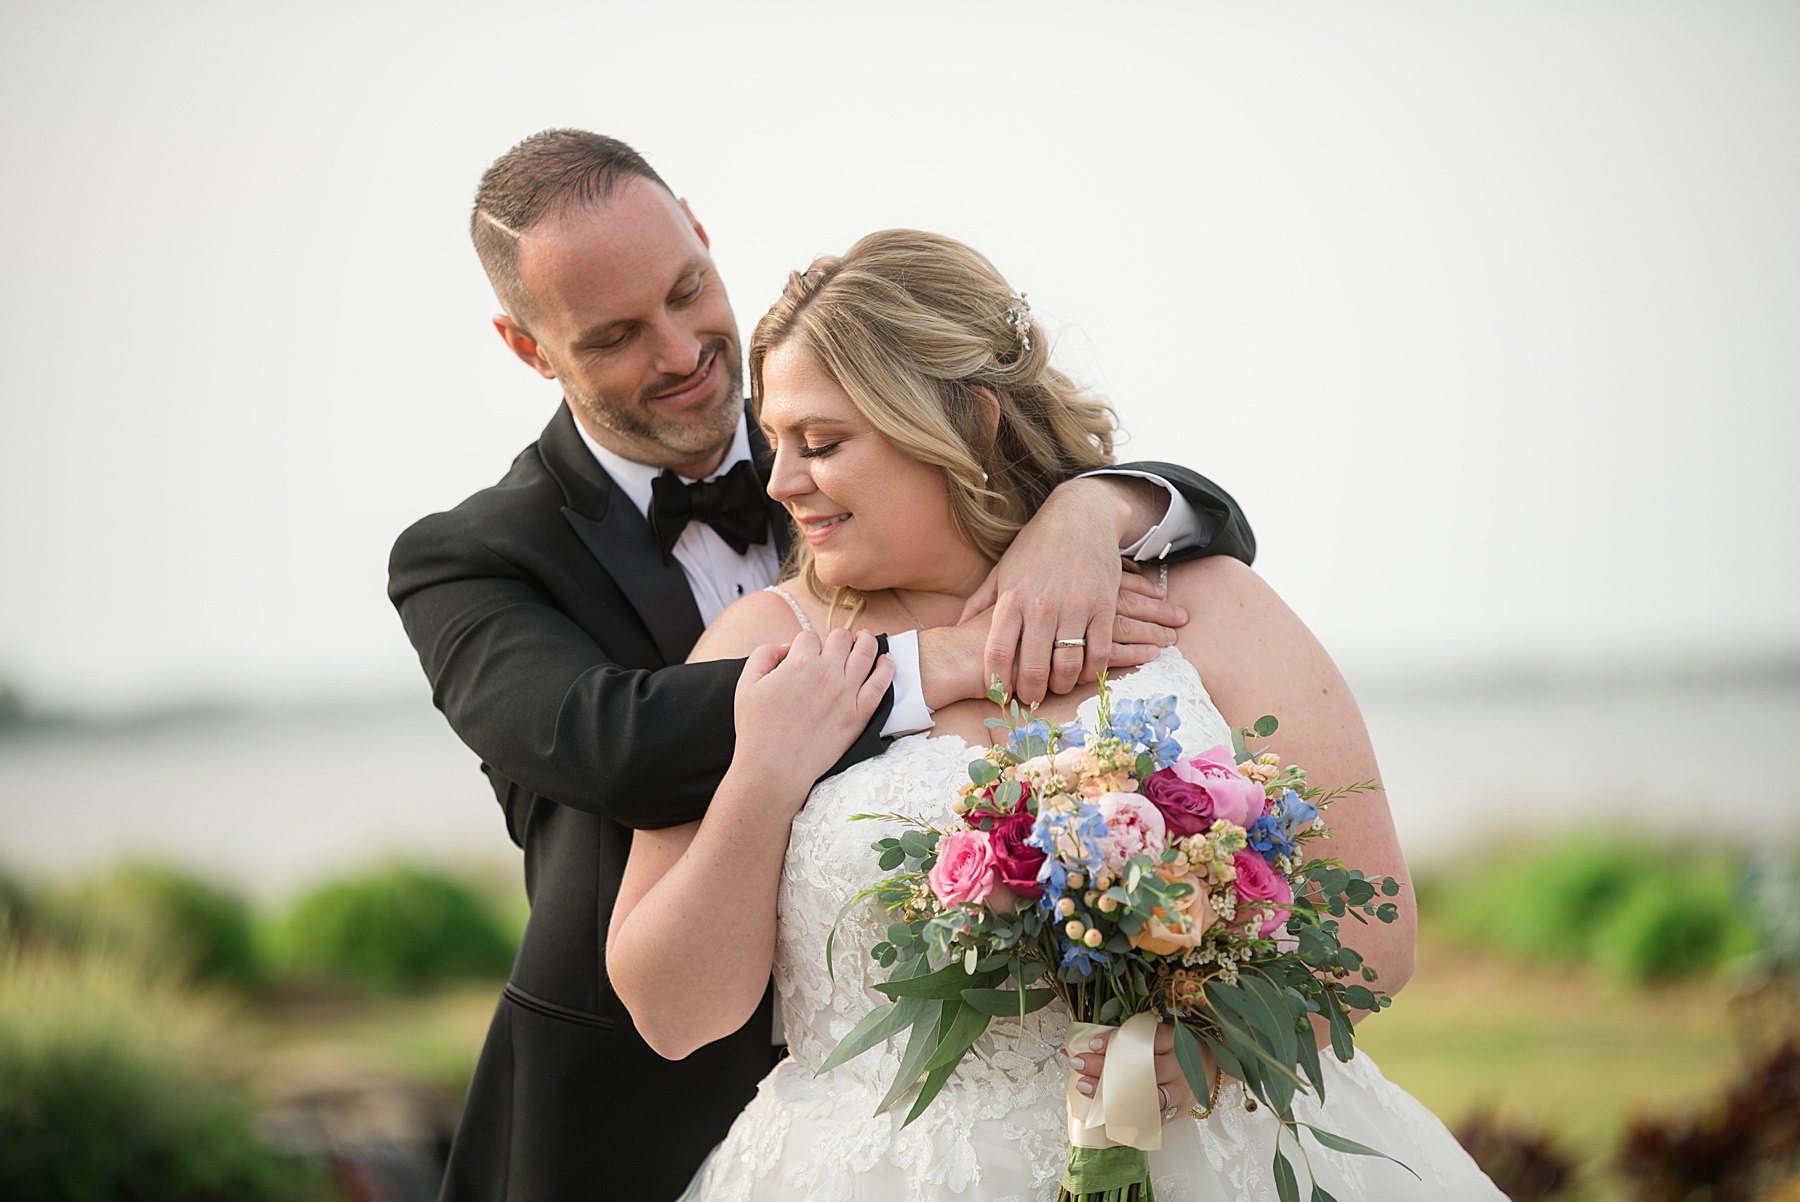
(909, 325)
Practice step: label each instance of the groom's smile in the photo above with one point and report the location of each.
(633, 321)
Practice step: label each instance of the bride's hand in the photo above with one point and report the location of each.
(1168, 1070)
(799, 707)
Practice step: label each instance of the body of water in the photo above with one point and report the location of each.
(273, 803)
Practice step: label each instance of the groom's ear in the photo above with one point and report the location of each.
(523, 345)
(695, 222)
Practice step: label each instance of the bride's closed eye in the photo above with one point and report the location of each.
(819, 451)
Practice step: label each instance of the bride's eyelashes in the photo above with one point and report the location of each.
(818, 451)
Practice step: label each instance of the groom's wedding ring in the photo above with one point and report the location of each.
(1069, 643)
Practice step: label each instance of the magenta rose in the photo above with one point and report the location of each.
(1258, 883)
(965, 870)
(1192, 794)
(1017, 861)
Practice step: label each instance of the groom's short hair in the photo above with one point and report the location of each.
(547, 174)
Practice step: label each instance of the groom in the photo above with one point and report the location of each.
(552, 613)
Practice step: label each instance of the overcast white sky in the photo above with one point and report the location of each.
(1488, 313)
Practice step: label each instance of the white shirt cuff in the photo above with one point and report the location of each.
(910, 715)
(1179, 529)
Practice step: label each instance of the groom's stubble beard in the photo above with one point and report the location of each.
(708, 433)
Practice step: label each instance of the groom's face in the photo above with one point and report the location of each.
(632, 319)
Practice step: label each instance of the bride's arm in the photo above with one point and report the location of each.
(692, 937)
(1257, 658)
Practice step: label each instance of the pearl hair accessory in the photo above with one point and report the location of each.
(1018, 316)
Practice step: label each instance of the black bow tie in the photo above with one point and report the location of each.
(733, 505)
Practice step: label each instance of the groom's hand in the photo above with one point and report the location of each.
(1061, 579)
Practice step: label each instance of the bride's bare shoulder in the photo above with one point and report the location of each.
(1239, 633)
(748, 623)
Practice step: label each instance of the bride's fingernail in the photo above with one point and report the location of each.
(1084, 1087)
(1077, 1063)
(1098, 1044)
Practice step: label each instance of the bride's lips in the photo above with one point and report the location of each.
(693, 389)
(818, 529)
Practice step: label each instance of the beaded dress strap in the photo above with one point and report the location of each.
(792, 604)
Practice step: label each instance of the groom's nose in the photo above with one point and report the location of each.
(676, 348)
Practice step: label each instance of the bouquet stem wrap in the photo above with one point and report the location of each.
(1111, 1132)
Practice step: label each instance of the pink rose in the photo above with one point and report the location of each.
(965, 870)
(1192, 794)
(1265, 892)
(1133, 827)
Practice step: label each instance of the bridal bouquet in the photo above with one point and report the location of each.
(1108, 871)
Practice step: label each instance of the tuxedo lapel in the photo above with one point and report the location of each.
(617, 535)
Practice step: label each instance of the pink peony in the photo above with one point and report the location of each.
(1133, 827)
(965, 870)
(1192, 794)
(1258, 883)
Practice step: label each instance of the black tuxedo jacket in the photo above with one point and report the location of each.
(553, 633)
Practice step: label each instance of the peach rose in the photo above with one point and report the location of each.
(1160, 934)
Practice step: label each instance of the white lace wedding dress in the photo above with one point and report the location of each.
(996, 1132)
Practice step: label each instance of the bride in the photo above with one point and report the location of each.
(916, 423)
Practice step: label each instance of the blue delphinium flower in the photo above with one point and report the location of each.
(1083, 958)
(1033, 738)
(1147, 723)
(1296, 813)
(1268, 838)
(1276, 832)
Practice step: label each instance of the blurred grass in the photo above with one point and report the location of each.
(1562, 1047)
(431, 1037)
(120, 1082)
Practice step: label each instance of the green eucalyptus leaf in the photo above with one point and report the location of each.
(1266, 726)
(1285, 1186)
(946, 982)
(1193, 1064)
(1343, 1041)
(1338, 1143)
(919, 1045)
(1004, 1003)
(960, 1029)
(1309, 1063)
(934, 1082)
(880, 1024)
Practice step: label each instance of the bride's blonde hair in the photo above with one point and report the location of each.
(910, 325)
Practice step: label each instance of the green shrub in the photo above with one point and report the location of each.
(1674, 927)
(112, 1086)
(174, 920)
(1640, 912)
(394, 928)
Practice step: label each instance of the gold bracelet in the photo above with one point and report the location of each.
(1212, 1103)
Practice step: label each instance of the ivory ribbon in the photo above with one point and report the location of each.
(1126, 1110)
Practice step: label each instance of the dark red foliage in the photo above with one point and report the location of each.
(1526, 1165)
(1729, 1153)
